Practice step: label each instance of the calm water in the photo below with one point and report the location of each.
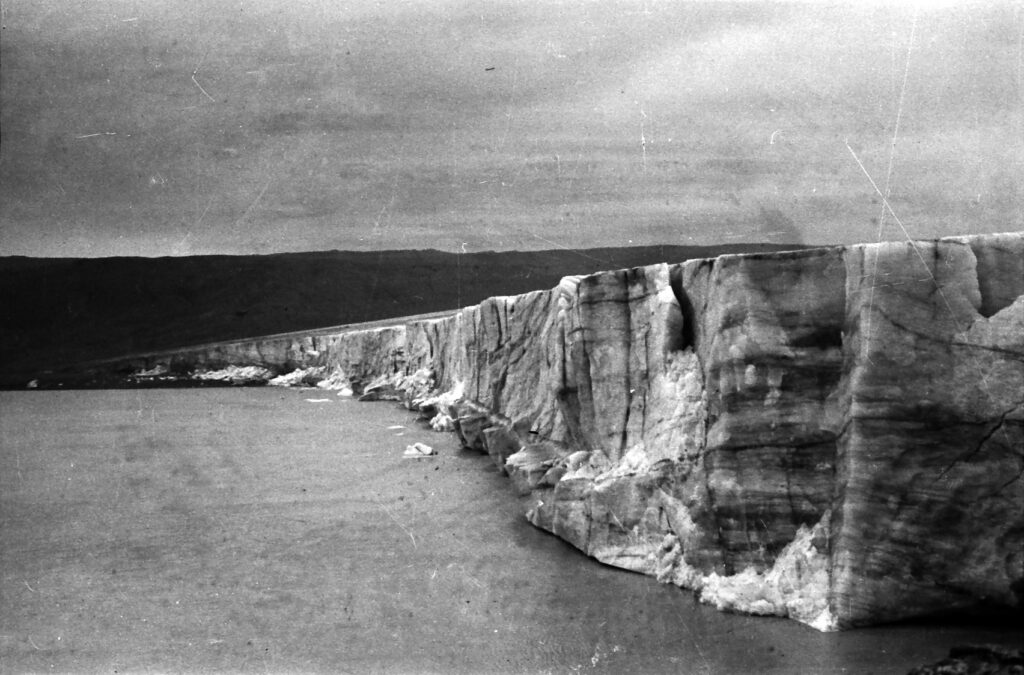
(254, 530)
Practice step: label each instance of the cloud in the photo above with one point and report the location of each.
(508, 118)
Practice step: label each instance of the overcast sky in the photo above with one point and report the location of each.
(206, 126)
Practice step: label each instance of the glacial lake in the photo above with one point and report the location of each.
(269, 530)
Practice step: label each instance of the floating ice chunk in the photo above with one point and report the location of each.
(419, 450)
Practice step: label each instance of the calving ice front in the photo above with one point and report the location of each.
(834, 435)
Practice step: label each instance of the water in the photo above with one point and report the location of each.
(253, 530)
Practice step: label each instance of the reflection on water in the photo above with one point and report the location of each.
(251, 529)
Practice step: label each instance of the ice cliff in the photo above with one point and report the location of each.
(834, 435)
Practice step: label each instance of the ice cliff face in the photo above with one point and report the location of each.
(833, 435)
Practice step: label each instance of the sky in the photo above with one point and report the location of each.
(184, 127)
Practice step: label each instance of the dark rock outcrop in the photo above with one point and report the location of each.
(976, 660)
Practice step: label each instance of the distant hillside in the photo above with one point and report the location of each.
(57, 312)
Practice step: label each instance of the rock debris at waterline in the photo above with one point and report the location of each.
(835, 435)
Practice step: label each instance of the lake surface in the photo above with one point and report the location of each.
(255, 530)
